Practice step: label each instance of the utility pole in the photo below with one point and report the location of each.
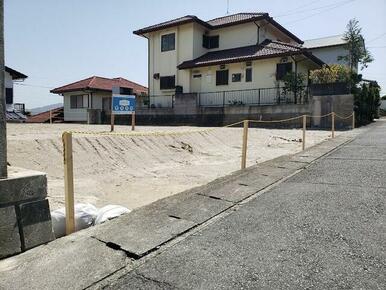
(3, 122)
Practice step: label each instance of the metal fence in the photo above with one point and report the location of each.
(254, 97)
(159, 101)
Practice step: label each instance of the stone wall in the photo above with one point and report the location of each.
(25, 219)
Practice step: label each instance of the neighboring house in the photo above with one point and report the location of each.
(328, 49)
(52, 116)
(15, 112)
(92, 97)
(231, 59)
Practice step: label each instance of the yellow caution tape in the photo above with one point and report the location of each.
(321, 116)
(139, 134)
(346, 117)
(174, 133)
(275, 121)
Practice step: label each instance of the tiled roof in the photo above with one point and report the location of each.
(44, 117)
(267, 49)
(100, 83)
(235, 18)
(219, 22)
(171, 23)
(325, 41)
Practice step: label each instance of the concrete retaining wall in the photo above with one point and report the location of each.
(187, 112)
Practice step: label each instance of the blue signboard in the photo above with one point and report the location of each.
(123, 104)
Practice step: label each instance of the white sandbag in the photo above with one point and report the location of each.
(85, 215)
(109, 212)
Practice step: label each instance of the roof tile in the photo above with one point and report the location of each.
(239, 17)
(100, 83)
(266, 49)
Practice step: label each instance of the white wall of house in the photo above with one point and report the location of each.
(92, 100)
(188, 46)
(246, 34)
(263, 75)
(383, 105)
(330, 54)
(8, 82)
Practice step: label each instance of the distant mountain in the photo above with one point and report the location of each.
(39, 110)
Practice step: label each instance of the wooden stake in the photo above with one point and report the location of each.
(353, 120)
(112, 122)
(304, 131)
(245, 145)
(333, 125)
(133, 121)
(68, 182)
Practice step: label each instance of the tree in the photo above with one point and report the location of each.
(358, 54)
(367, 102)
(294, 83)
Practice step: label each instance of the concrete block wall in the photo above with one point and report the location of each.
(186, 111)
(25, 219)
(342, 105)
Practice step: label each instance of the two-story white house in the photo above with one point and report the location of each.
(329, 49)
(236, 58)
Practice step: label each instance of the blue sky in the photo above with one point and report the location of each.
(56, 42)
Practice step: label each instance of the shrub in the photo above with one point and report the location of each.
(334, 73)
(366, 102)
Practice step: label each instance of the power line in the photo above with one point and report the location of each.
(376, 38)
(325, 10)
(376, 46)
(296, 9)
(332, 5)
(31, 85)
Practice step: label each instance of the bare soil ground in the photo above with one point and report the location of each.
(136, 170)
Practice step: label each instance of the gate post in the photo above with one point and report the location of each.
(68, 182)
(245, 145)
(304, 132)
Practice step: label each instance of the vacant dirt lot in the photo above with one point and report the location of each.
(137, 170)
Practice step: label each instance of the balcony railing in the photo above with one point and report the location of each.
(254, 97)
(19, 107)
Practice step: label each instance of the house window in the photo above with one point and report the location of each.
(196, 76)
(282, 69)
(9, 96)
(248, 74)
(168, 42)
(222, 77)
(106, 104)
(167, 83)
(210, 41)
(236, 77)
(77, 102)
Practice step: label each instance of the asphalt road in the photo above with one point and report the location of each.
(323, 228)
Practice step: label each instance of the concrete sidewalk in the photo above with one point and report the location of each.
(325, 227)
(313, 219)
